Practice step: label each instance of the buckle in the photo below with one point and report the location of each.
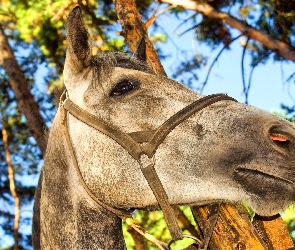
(145, 161)
(64, 96)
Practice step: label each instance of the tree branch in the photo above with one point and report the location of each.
(24, 98)
(134, 30)
(215, 60)
(269, 42)
(245, 89)
(12, 187)
(275, 232)
(233, 229)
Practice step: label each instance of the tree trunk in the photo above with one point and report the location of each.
(134, 30)
(24, 98)
(273, 44)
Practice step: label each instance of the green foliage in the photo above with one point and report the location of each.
(155, 224)
(289, 218)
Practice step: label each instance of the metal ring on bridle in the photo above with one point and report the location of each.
(184, 236)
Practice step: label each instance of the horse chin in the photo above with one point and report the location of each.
(270, 195)
(267, 209)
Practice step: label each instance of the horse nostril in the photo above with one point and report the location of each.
(282, 137)
(278, 138)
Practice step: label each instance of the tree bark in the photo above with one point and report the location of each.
(273, 232)
(24, 98)
(269, 42)
(134, 30)
(233, 229)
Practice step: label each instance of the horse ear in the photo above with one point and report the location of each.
(140, 51)
(78, 42)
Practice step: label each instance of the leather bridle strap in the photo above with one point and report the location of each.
(127, 141)
(123, 214)
(143, 154)
(161, 133)
(111, 131)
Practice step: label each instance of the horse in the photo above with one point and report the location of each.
(125, 138)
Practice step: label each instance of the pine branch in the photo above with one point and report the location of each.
(279, 47)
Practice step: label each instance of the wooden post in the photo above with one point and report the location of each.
(233, 229)
(273, 232)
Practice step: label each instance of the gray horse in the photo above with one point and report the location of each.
(222, 151)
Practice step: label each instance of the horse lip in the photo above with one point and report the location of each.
(266, 175)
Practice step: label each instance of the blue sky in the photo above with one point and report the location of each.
(268, 89)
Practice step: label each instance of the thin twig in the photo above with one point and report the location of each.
(183, 22)
(215, 60)
(165, 10)
(170, 39)
(137, 238)
(290, 78)
(189, 29)
(151, 20)
(245, 90)
(154, 12)
(289, 91)
(12, 187)
(161, 245)
(253, 67)
(194, 45)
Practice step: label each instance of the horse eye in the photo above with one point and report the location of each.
(122, 88)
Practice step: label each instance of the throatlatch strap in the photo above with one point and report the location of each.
(120, 213)
(121, 138)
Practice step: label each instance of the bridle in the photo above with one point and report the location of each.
(144, 155)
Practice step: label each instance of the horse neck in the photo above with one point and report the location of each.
(68, 216)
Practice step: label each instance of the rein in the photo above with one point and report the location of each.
(144, 155)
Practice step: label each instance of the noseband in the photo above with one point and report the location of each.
(144, 155)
